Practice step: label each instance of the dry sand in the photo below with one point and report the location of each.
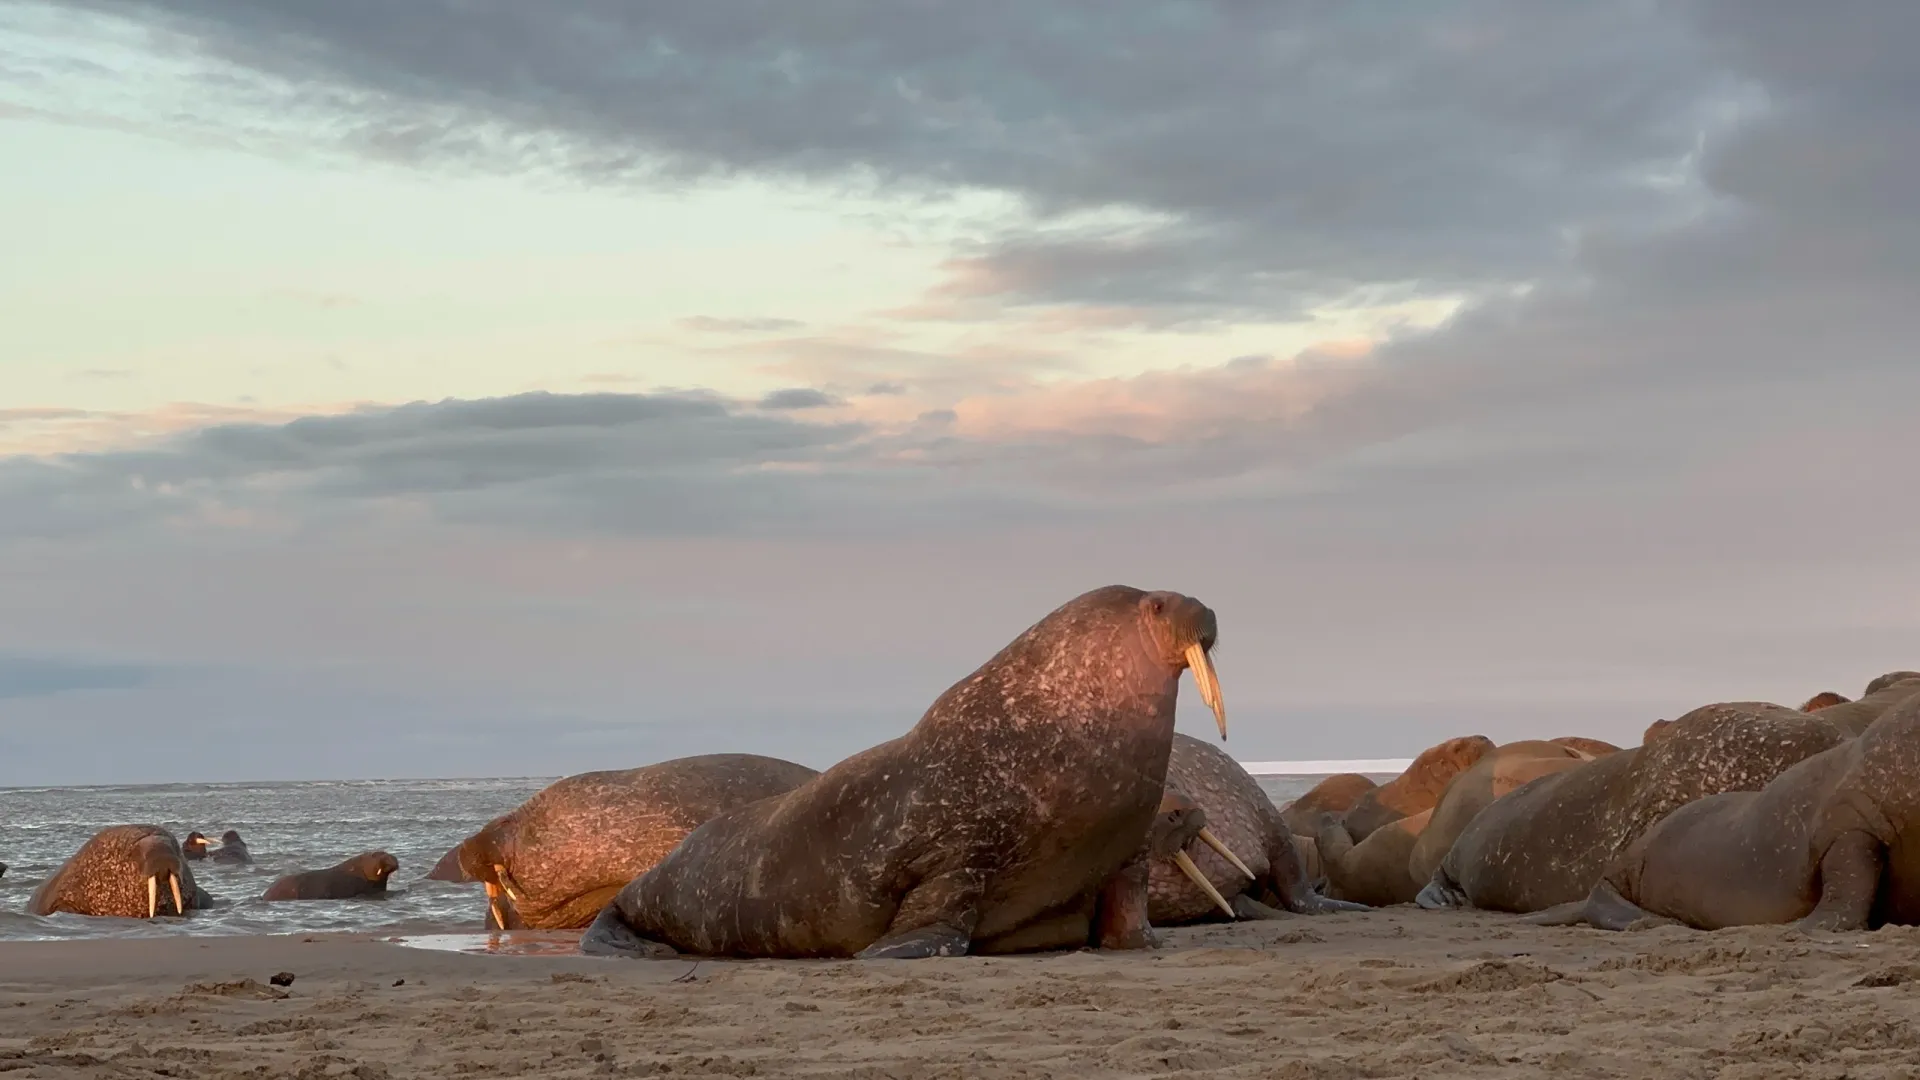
(1400, 992)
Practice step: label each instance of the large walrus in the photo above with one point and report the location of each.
(1509, 766)
(125, 871)
(1374, 871)
(1828, 845)
(1416, 789)
(555, 860)
(449, 868)
(1854, 717)
(1548, 842)
(1014, 816)
(1249, 858)
(1334, 795)
(363, 875)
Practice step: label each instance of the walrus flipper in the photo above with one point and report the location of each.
(1606, 909)
(935, 918)
(1849, 880)
(920, 944)
(1571, 913)
(1442, 892)
(611, 936)
(1287, 873)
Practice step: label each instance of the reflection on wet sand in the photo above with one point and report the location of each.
(498, 942)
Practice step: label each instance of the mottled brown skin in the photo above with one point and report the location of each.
(1881, 682)
(1243, 818)
(1833, 843)
(363, 875)
(575, 843)
(1548, 842)
(1854, 717)
(1013, 817)
(1416, 789)
(1511, 765)
(449, 868)
(1823, 699)
(1334, 795)
(1374, 871)
(108, 876)
(1592, 748)
(1655, 732)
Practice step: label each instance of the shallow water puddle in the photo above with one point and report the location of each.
(498, 943)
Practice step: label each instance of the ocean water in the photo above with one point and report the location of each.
(288, 827)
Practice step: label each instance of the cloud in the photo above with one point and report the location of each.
(711, 325)
(799, 397)
(24, 676)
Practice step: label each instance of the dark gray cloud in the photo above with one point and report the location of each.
(798, 397)
(1284, 154)
(24, 676)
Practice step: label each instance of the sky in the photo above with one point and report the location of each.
(473, 387)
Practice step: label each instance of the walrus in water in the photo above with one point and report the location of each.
(1548, 841)
(1830, 844)
(1854, 717)
(363, 875)
(1013, 817)
(1414, 790)
(449, 868)
(232, 849)
(3, 869)
(1374, 871)
(125, 871)
(194, 847)
(1511, 765)
(1250, 863)
(1823, 699)
(555, 860)
(1334, 795)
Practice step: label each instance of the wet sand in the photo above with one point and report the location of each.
(1393, 993)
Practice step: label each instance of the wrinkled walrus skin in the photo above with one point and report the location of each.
(1510, 766)
(1013, 817)
(553, 862)
(1416, 789)
(1831, 844)
(363, 875)
(1547, 842)
(110, 876)
(1243, 818)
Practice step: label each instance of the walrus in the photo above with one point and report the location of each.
(1250, 858)
(1881, 682)
(1548, 841)
(1509, 766)
(3, 869)
(232, 849)
(449, 868)
(1854, 717)
(124, 871)
(555, 860)
(194, 846)
(1416, 789)
(1336, 794)
(1592, 748)
(1827, 845)
(1014, 816)
(363, 875)
(1374, 871)
(1822, 700)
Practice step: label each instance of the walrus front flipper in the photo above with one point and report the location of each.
(1849, 880)
(920, 944)
(1287, 878)
(1120, 913)
(611, 936)
(1442, 892)
(935, 918)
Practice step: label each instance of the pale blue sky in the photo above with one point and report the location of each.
(1488, 368)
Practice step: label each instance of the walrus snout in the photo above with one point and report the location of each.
(1186, 630)
(378, 866)
(1181, 822)
(160, 858)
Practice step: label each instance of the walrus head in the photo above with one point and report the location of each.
(1889, 679)
(1822, 700)
(375, 866)
(1184, 630)
(231, 836)
(1181, 822)
(158, 858)
(194, 846)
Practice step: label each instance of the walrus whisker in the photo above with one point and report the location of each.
(1182, 860)
(1209, 683)
(1214, 842)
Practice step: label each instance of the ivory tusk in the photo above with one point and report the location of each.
(506, 882)
(1186, 866)
(179, 905)
(153, 895)
(493, 905)
(1214, 842)
(1209, 683)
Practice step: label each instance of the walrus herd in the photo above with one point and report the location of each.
(1044, 802)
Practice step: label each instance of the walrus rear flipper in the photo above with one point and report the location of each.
(920, 944)
(1571, 913)
(1606, 909)
(611, 936)
(1442, 892)
(1287, 879)
(1849, 880)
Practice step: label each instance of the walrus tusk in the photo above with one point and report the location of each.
(1226, 853)
(1181, 860)
(1209, 684)
(179, 905)
(153, 895)
(506, 882)
(493, 905)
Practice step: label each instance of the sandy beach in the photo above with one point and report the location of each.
(1395, 993)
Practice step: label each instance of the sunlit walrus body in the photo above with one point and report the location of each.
(125, 871)
(1014, 816)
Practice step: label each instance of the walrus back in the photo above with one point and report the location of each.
(1535, 841)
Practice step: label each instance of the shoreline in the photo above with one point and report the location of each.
(1394, 992)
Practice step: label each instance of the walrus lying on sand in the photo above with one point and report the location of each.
(124, 871)
(1854, 717)
(363, 875)
(1015, 816)
(1335, 795)
(1416, 789)
(1374, 871)
(1250, 864)
(555, 860)
(1833, 843)
(1548, 842)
